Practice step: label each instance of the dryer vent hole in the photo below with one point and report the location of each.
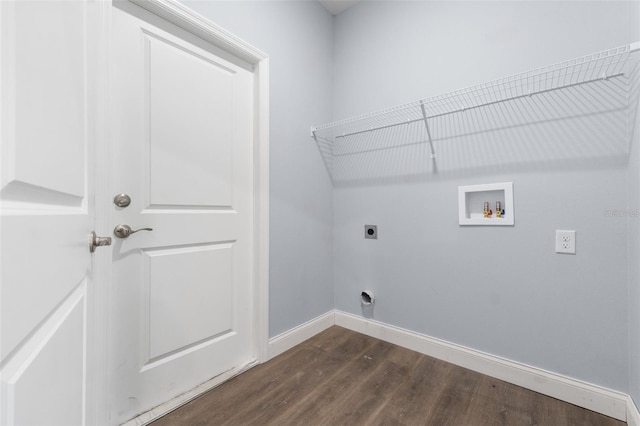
(367, 298)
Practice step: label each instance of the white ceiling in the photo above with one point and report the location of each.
(336, 7)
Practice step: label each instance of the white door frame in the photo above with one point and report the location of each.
(183, 17)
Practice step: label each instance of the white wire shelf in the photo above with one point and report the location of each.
(599, 83)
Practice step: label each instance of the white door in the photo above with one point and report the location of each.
(182, 151)
(46, 74)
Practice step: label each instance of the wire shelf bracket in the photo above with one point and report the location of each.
(426, 126)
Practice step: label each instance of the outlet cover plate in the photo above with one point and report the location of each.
(566, 242)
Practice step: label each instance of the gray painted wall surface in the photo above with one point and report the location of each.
(297, 36)
(501, 290)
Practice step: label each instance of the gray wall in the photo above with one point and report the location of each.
(297, 36)
(502, 290)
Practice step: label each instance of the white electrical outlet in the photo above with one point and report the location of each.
(566, 242)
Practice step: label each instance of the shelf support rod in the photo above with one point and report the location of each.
(426, 126)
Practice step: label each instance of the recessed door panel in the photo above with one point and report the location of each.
(190, 129)
(190, 296)
(44, 101)
(46, 387)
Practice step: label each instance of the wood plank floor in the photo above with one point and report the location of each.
(340, 377)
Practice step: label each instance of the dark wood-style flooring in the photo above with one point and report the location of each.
(340, 377)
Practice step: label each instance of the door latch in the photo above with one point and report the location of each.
(95, 241)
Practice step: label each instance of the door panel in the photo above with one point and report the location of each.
(190, 296)
(182, 149)
(51, 371)
(45, 131)
(186, 168)
(46, 213)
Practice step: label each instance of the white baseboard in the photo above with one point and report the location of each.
(287, 340)
(633, 415)
(601, 400)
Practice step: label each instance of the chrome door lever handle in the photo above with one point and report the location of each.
(123, 231)
(95, 241)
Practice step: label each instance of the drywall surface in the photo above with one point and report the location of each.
(297, 36)
(502, 290)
